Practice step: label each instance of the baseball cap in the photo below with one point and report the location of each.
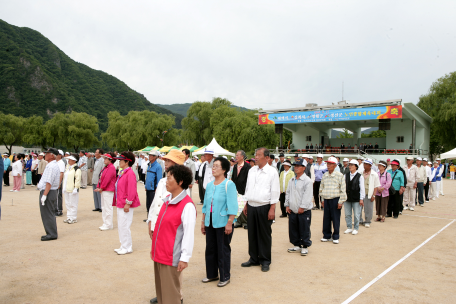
(345, 159)
(281, 155)
(419, 158)
(61, 152)
(53, 151)
(42, 154)
(368, 161)
(425, 159)
(296, 155)
(211, 152)
(320, 155)
(410, 158)
(354, 162)
(154, 153)
(300, 162)
(332, 160)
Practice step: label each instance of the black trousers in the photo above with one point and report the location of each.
(282, 204)
(259, 234)
(316, 193)
(218, 252)
(331, 214)
(59, 205)
(48, 213)
(150, 194)
(394, 204)
(6, 177)
(299, 228)
(201, 190)
(426, 191)
(35, 177)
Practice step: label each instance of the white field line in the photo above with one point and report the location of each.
(356, 294)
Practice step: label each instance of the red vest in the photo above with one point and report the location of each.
(168, 233)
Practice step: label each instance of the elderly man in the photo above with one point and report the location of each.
(284, 179)
(61, 163)
(153, 176)
(48, 187)
(6, 168)
(90, 167)
(262, 194)
(298, 203)
(320, 168)
(280, 162)
(98, 165)
(207, 168)
(435, 171)
(332, 190)
(360, 164)
(240, 173)
(411, 172)
(272, 164)
(346, 168)
(421, 181)
(82, 164)
(201, 173)
(189, 163)
(309, 170)
(371, 184)
(355, 197)
(41, 166)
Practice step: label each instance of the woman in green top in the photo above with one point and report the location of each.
(394, 203)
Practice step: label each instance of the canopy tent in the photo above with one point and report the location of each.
(148, 149)
(191, 148)
(167, 149)
(449, 155)
(199, 149)
(214, 146)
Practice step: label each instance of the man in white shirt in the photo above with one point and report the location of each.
(439, 178)
(262, 194)
(82, 164)
(61, 163)
(191, 165)
(201, 172)
(209, 157)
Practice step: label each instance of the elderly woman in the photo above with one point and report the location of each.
(17, 172)
(70, 186)
(382, 196)
(219, 211)
(173, 238)
(125, 199)
(106, 186)
(28, 170)
(397, 182)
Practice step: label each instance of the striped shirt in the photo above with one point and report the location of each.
(51, 175)
(332, 186)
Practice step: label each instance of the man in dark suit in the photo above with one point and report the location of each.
(320, 148)
(376, 147)
(239, 178)
(280, 163)
(307, 147)
(371, 148)
(311, 147)
(342, 147)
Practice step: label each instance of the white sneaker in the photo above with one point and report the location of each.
(325, 240)
(72, 221)
(348, 231)
(103, 228)
(367, 225)
(411, 209)
(405, 208)
(335, 241)
(433, 198)
(66, 221)
(11, 190)
(304, 251)
(294, 249)
(123, 251)
(442, 194)
(355, 232)
(117, 250)
(427, 201)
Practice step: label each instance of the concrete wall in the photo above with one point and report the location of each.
(300, 133)
(336, 142)
(400, 128)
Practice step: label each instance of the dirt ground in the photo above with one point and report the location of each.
(81, 266)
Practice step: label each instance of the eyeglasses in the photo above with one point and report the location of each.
(216, 167)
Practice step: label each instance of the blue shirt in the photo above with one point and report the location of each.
(154, 174)
(398, 180)
(223, 200)
(28, 165)
(439, 178)
(6, 163)
(320, 170)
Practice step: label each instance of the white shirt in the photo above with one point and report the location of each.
(428, 172)
(361, 169)
(35, 163)
(208, 177)
(61, 166)
(197, 165)
(17, 168)
(263, 186)
(144, 166)
(362, 191)
(188, 219)
(284, 178)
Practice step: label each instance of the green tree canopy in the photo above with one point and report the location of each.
(11, 130)
(345, 134)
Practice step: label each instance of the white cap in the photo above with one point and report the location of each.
(368, 161)
(61, 152)
(42, 154)
(154, 153)
(208, 152)
(437, 159)
(224, 157)
(425, 159)
(345, 159)
(410, 158)
(419, 158)
(321, 155)
(67, 153)
(332, 160)
(71, 157)
(354, 162)
(305, 156)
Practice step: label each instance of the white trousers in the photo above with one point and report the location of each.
(441, 186)
(106, 207)
(124, 220)
(433, 191)
(71, 204)
(437, 190)
(451, 175)
(409, 196)
(84, 179)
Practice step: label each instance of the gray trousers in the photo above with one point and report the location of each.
(242, 219)
(368, 211)
(48, 213)
(96, 198)
(59, 205)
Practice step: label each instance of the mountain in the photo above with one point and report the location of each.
(335, 133)
(37, 78)
(182, 108)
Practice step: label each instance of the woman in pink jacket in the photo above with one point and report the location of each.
(382, 196)
(106, 186)
(126, 199)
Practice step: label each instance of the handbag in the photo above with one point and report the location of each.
(391, 189)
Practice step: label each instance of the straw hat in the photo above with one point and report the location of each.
(176, 156)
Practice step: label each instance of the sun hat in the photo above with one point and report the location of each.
(107, 156)
(354, 162)
(395, 162)
(286, 163)
(211, 152)
(383, 163)
(176, 156)
(71, 157)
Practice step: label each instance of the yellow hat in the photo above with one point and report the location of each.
(176, 156)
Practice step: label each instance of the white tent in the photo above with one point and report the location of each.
(214, 146)
(449, 155)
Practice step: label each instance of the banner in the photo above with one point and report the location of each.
(370, 113)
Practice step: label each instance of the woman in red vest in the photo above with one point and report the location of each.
(173, 238)
(126, 199)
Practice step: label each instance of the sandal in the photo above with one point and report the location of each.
(378, 219)
(383, 219)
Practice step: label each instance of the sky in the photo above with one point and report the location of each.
(257, 54)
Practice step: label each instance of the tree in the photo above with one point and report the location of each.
(345, 134)
(375, 134)
(11, 130)
(81, 130)
(35, 132)
(440, 104)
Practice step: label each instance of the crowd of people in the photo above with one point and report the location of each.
(234, 193)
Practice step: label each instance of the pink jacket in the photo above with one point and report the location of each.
(107, 180)
(385, 182)
(126, 189)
